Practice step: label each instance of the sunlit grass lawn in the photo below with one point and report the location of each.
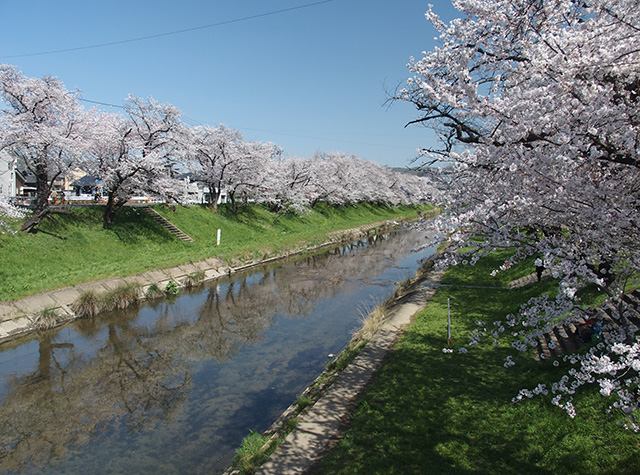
(432, 412)
(72, 249)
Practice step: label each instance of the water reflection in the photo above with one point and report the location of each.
(173, 386)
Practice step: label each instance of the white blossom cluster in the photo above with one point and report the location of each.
(147, 148)
(537, 108)
(7, 210)
(613, 363)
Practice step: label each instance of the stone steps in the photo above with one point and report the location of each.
(168, 225)
(564, 338)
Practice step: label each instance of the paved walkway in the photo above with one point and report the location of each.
(528, 279)
(322, 424)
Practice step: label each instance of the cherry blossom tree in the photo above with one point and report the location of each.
(249, 171)
(338, 178)
(286, 186)
(43, 124)
(226, 162)
(137, 153)
(409, 189)
(330, 177)
(211, 150)
(537, 107)
(380, 181)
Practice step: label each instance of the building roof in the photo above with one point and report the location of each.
(86, 180)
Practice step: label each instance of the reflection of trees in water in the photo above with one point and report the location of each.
(142, 374)
(69, 399)
(29, 424)
(239, 312)
(148, 380)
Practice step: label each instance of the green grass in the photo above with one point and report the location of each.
(480, 274)
(431, 412)
(71, 249)
(256, 448)
(248, 457)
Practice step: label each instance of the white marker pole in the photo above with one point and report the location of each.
(218, 241)
(448, 322)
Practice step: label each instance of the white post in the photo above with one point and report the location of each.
(448, 322)
(218, 237)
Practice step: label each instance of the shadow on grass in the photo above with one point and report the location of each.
(61, 225)
(252, 218)
(62, 238)
(431, 412)
(480, 274)
(247, 215)
(428, 429)
(132, 226)
(427, 411)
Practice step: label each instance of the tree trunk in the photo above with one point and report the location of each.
(42, 209)
(43, 189)
(274, 207)
(34, 220)
(214, 195)
(234, 205)
(113, 205)
(109, 211)
(278, 216)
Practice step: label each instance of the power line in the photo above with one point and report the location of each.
(101, 103)
(193, 122)
(330, 139)
(170, 33)
(186, 119)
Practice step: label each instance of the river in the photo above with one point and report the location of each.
(173, 386)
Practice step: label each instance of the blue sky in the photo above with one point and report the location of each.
(309, 79)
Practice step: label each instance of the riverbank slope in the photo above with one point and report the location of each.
(76, 248)
(23, 315)
(435, 407)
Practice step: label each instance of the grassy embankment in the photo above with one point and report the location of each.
(71, 249)
(434, 412)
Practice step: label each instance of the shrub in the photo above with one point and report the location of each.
(248, 457)
(345, 357)
(302, 403)
(172, 288)
(289, 425)
(371, 321)
(194, 279)
(46, 319)
(87, 305)
(154, 292)
(121, 297)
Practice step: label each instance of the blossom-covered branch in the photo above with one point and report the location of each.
(537, 105)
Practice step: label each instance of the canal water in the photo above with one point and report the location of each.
(173, 386)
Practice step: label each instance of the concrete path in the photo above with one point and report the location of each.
(322, 424)
(528, 279)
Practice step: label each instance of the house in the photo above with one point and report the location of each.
(27, 191)
(29, 186)
(85, 188)
(71, 176)
(11, 180)
(195, 190)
